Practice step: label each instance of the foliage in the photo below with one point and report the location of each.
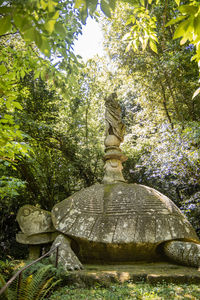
(7, 267)
(10, 186)
(44, 22)
(36, 286)
(191, 207)
(142, 31)
(12, 141)
(64, 138)
(2, 283)
(25, 28)
(188, 29)
(173, 163)
(143, 23)
(168, 76)
(11, 137)
(62, 134)
(129, 291)
(59, 273)
(50, 25)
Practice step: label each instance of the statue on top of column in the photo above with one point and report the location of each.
(114, 124)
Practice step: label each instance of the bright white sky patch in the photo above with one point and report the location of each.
(90, 43)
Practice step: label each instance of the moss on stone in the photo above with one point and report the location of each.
(153, 273)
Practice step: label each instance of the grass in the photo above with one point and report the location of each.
(129, 291)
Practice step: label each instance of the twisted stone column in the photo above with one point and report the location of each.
(115, 130)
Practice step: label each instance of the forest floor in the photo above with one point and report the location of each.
(142, 291)
(151, 273)
(143, 281)
(137, 281)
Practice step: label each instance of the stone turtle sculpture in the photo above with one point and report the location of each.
(123, 223)
(113, 222)
(117, 223)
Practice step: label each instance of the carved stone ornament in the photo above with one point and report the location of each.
(115, 130)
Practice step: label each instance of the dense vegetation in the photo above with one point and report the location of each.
(52, 105)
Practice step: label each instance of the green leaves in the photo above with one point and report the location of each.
(23, 22)
(174, 21)
(188, 9)
(10, 186)
(5, 24)
(51, 5)
(142, 31)
(178, 2)
(153, 46)
(196, 93)
(182, 28)
(80, 4)
(88, 7)
(3, 69)
(39, 22)
(105, 7)
(45, 47)
(189, 26)
(60, 29)
(112, 4)
(50, 24)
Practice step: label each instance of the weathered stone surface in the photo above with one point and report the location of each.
(34, 252)
(120, 222)
(66, 258)
(113, 167)
(115, 130)
(36, 239)
(33, 220)
(186, 253)
(114, 124)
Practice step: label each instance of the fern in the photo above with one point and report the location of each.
(43, 288)
(2, 283)
(39, 279)
(24, 288)
(46, 288)
(32, 287)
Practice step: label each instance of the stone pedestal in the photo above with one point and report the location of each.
(113, 160)
(34, 252)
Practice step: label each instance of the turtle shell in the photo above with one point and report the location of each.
(121, 216)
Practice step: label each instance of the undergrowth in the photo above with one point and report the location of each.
(44, 281)
(37, 282)
(141, 291)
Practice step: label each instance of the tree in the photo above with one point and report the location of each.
(44, 28)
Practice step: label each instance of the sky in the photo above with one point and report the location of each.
(90, 42)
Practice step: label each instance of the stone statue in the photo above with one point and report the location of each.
(112, 222)
(114, 125)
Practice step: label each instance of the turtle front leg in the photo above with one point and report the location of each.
(66, 256)
(185, 253)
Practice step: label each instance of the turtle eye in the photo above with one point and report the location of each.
(26, 212)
